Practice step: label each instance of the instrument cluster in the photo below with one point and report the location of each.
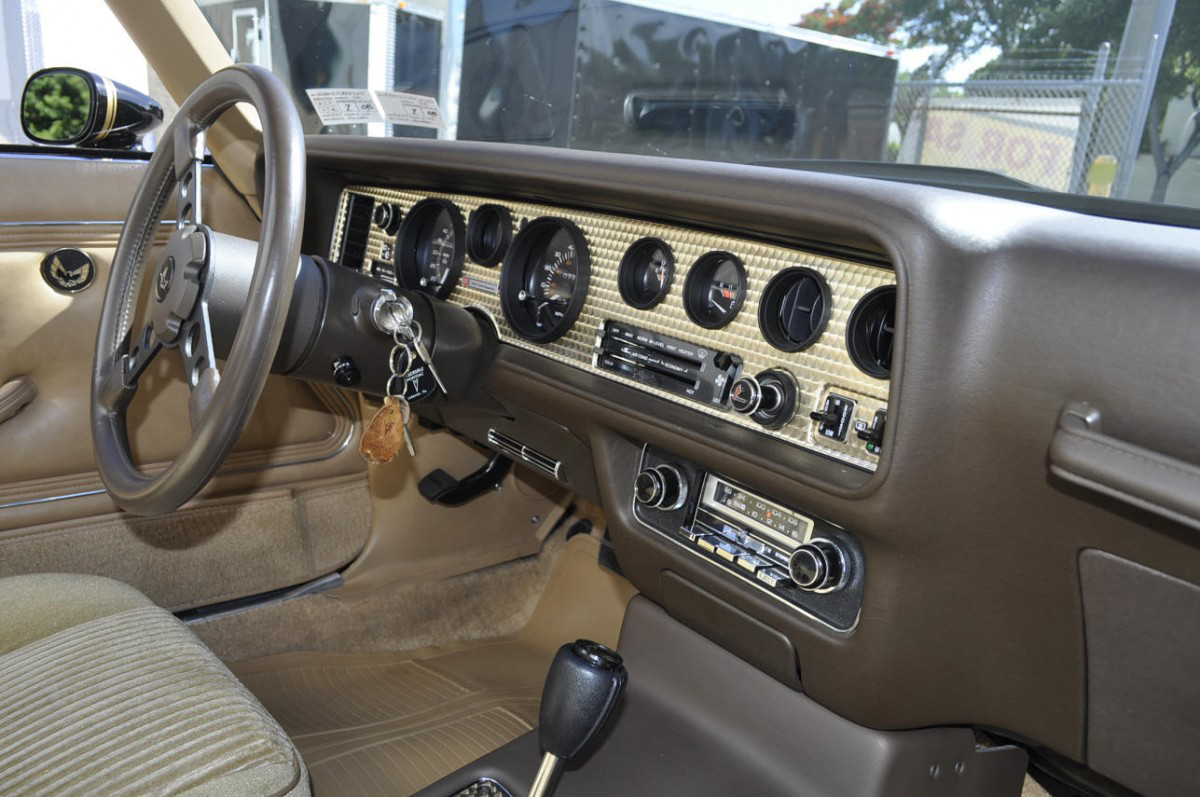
(792, 343)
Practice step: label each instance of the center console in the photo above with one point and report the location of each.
(803, 561)
(700, 721)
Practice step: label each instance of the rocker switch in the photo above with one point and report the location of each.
(873, 434)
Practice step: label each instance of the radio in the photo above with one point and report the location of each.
(803, 561)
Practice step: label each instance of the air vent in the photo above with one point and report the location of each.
(356, 230)
(794, 309)
(871, 330)
(519, 451)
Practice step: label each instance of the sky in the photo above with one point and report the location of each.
(71, 30)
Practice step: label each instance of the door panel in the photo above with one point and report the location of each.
(300, 435)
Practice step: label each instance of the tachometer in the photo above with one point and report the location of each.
(715, 290)
(430, 248)
(544, 280)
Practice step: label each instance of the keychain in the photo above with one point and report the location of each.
(387, 432)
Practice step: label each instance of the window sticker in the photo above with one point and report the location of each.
(415, 110)
(344, 106)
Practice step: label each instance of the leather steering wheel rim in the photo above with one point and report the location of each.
(226, 399)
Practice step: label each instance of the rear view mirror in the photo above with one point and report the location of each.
(72, 107)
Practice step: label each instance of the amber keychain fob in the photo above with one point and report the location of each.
(387, 432)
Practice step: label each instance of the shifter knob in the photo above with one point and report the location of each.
(584, 684)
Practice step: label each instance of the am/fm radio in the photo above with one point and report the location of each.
(793, 557)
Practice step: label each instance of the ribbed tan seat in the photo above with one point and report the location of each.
(101, 692)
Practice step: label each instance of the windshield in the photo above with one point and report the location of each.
(1095, 97)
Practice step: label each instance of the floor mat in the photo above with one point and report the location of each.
(392, 723)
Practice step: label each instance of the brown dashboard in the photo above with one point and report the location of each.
(973, 552)
(814, 331)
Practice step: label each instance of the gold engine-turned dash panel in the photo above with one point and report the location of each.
(652, 328)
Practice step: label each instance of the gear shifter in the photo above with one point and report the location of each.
(584, 684)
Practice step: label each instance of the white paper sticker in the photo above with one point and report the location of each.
(344, 106)
(415, 110)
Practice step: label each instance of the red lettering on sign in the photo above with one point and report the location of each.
(954, 140)
(1020, 152)
(992, 146)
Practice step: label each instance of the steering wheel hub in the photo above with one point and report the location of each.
(179, 283)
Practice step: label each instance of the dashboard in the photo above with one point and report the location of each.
(791, 343)
(944, 580)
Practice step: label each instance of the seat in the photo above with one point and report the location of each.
(102, 692)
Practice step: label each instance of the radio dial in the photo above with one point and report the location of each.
(817, 566)
(648, 487)
(660, 487)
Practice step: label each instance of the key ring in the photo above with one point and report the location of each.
(408, 360)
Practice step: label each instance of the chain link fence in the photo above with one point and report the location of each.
(1065, 124)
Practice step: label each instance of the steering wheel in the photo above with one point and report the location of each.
(221, 401)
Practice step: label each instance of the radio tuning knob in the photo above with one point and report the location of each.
(648, 487)
(660, 487)
(818, 566)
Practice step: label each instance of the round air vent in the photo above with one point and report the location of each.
(794, 309)
(871, 330)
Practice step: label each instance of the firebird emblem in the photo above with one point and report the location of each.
(68, 270)
(163, 281)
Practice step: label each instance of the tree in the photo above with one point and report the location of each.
(1031, 30)
(56, 106)
(958, 27)
(1086, 24)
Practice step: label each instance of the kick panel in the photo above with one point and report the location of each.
(753, 333)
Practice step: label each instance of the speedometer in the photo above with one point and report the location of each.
(430, 247)
(544, 280)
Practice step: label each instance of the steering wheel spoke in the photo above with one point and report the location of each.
(199, 362)
(140, 356)
(188, 148)
(120, 382)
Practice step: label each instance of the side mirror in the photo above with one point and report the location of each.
(72, 107)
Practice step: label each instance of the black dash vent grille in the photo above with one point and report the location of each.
(356, 230)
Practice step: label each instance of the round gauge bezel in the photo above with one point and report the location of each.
(514, 277)
(627, 273)
(408, 270)
(772, 298)
(700, 277)
(477, 248)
